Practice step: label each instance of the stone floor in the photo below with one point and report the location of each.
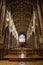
(7, 62)
(21, 63)
(22, 56)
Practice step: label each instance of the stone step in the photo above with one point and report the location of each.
(25, 51)
(16, 53)
(20, 56)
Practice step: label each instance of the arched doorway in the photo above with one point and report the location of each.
(22, 40)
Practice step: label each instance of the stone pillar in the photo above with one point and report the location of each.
(40, 15)
(2, 14)
(15, 42)
(6, 38)
(2, 18)
(11, 40)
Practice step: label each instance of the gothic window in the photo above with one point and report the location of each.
(22, 38)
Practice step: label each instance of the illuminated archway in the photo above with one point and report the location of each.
(22, 40)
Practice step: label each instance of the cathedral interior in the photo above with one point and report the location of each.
(21, 32)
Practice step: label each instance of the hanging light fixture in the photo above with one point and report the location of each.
(7, 18)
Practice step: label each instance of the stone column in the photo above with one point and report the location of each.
(6, 38)
(2, 14)
(40, 15)
(2, 18)
(11, 40)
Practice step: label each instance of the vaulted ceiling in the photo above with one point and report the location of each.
(21, 11)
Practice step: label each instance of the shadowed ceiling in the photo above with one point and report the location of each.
(21, 11)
